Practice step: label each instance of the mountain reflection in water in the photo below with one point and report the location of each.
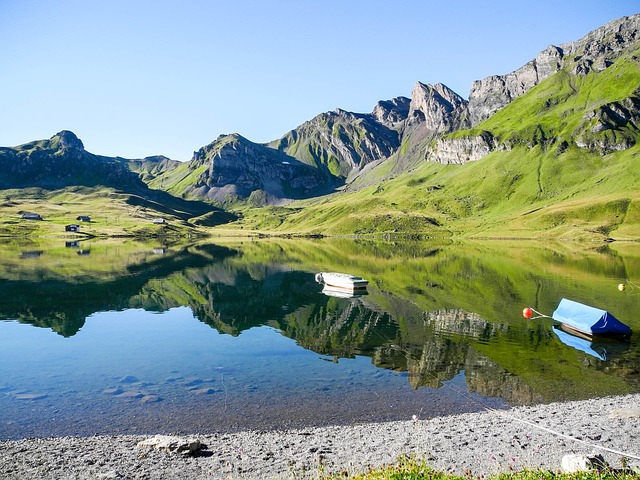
(440, 325)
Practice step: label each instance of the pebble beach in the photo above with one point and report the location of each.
(477, 444)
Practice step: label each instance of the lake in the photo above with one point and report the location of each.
(114, 336)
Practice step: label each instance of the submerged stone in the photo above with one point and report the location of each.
(113, 391)
(31, 396)
(204, 391)
(150, 399)
(129, 379)
(130, 394)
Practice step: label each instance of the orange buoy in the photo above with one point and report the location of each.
(527, 312)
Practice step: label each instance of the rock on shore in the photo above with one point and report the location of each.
(478, 443)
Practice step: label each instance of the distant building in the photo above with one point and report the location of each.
(159, 221)
(72, 228)
(31, 216)
(31, 254)
(83, 218)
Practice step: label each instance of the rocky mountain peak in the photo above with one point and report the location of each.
(436, 108)
(62, 161)
(339, 142)
(392, 112)
(68, 139)
(607, 41)
(237, 168)
(224, 141)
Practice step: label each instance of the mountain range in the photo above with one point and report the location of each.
(559, 134)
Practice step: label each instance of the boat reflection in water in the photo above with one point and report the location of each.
(342, 293)
(601, 347)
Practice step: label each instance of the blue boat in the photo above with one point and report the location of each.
(588, 320)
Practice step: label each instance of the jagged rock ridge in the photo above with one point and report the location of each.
(593, 52)
(338, 142)
(605, 129)
(422, 122)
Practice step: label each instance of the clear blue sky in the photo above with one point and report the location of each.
(144, 77)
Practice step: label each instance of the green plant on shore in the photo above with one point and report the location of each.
(409, 468)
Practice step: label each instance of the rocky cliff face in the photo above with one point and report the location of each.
(232, 168)
(611, 127)
(432, 111)
(490, 94)
(594, 52)
(463, 149)
(436, 109)
(392, 113)
(338, 142)
(605, 129)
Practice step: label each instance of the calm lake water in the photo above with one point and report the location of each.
(103, 337)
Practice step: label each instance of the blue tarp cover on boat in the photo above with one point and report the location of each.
(588, 319)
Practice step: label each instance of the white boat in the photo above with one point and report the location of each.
(341, 281)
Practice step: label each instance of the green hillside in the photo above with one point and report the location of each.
(59, 181)
(112, 213)
(538, 184)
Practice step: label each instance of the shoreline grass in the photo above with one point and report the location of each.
(408, 468)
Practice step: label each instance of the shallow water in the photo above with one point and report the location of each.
(133, 338)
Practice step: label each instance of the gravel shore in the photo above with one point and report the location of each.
(476, 443)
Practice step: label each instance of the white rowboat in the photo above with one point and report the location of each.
(341, 281)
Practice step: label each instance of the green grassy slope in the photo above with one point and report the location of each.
(112, 212)
(59, 180)
(540, 185)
